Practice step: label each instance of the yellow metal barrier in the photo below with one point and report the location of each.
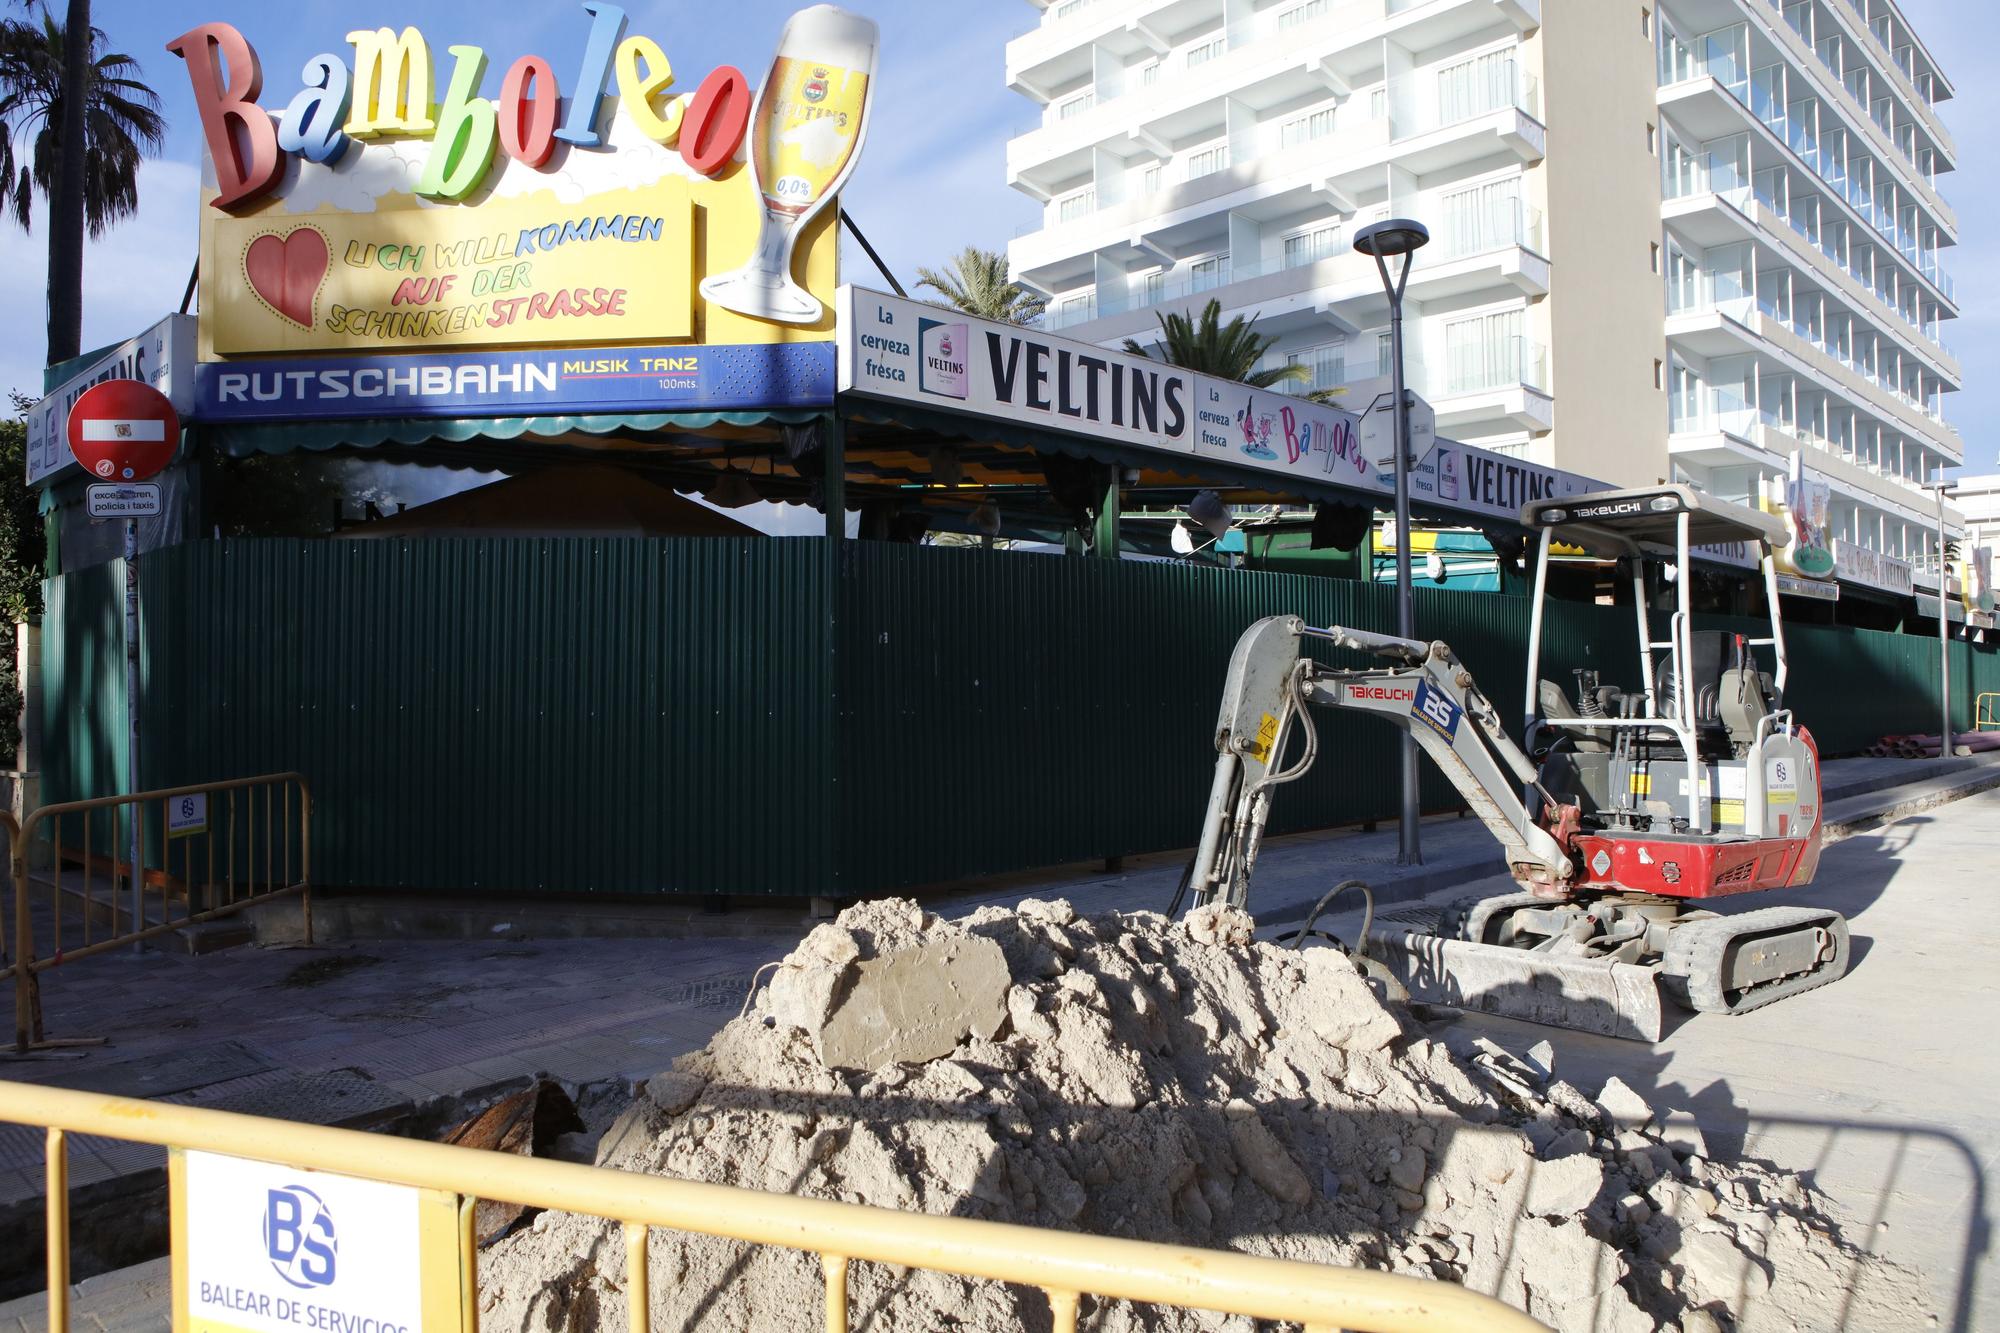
(211, 830)
(1988, 716)
(1062, 1264)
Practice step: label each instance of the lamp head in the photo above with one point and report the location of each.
(1208, 510)
(1392, 237)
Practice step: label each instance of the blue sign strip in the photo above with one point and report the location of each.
(518, 383)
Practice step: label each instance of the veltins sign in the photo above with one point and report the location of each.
(373, 216)
(1872, 569)
(932, 356)
(271, 1249)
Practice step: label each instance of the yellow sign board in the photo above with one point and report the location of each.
(615, 267)
(375, 216)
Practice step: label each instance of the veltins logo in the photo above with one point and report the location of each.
(941, 364)
(298, 1236)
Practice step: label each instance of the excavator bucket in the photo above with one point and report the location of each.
(1588, 995)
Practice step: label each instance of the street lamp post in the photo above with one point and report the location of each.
(1385, 241)
(1943, 489)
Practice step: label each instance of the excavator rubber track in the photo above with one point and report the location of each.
(1724, 966)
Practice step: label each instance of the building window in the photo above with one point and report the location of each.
(1207, 161)
(1209, 273)
(1079, 205)
(1077, 309)
(1385, 355)
(1304, 13)
(1645, 22)
(1305, 129)
(1076, 106)
(1484, 217)
(1476, 86)
(1149, 180)
(1484, 352)
(1156, 287)
(1070, 7)
(1326, 363)
(1149, 74)
(1207, 51)
(1378, 104)
(1311, 246)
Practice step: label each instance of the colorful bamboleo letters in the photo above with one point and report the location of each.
(390, 90)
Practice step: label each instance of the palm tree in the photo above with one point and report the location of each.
(1228, 351)
(977, 283)
(118, 121)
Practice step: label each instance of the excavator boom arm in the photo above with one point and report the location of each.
(1424, 689)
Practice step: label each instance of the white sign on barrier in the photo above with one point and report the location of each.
(274, 1249)
(187, 815)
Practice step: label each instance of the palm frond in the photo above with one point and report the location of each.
(123, 123)
(977, 283)
(1228, 351)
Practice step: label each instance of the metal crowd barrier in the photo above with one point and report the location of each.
(1062, 1264)
(1987, 718)
(216, 849)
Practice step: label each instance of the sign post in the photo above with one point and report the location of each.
(123, 431)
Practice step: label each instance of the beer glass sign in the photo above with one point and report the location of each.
(805, 136)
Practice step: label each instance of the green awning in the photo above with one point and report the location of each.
(283, 437)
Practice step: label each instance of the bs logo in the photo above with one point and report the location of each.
(298, 1236)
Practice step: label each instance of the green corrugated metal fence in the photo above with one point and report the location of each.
(503, 716)
(659, 716)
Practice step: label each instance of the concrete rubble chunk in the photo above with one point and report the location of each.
(1623, 1107)
(915, 1004)
(1220, 924)
(673, 1091)
(1564, 1187)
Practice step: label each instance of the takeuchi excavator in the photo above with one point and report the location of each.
(1621, 810)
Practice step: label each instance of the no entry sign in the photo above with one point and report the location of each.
(122, 430)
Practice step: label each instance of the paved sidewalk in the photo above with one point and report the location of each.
(375, 1032)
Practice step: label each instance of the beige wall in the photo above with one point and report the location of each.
(1606, 308)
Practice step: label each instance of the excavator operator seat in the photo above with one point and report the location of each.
(1730, 694)
(1745, 701)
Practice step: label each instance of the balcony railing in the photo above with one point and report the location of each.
(1758, 93)
(1793, 15)
(1741, 197)
(1723, 294)
(1498, 225)
(1723, 56)
(1727, 412)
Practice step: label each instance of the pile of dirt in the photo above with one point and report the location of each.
(1130, 1076)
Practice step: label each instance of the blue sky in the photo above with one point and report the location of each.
(934, 174)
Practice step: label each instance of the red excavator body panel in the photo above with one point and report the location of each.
(1694, 867)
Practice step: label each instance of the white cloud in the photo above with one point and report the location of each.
(132, 275)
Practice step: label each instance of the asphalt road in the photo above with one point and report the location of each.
(1883, 1086)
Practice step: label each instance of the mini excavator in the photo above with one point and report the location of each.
(1621, 812)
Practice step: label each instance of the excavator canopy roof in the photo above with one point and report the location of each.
(1650, 516)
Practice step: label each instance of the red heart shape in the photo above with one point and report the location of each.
(287, 272)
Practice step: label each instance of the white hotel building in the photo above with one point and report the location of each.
(1670, 238)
